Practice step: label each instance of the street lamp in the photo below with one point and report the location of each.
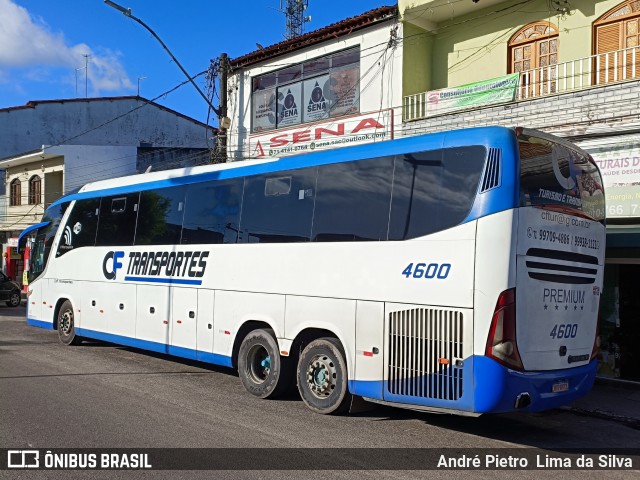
(127, 13)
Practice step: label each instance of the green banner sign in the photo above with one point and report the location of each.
(487, 92)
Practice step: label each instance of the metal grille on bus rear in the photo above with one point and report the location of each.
(424, 346)
(492, 170)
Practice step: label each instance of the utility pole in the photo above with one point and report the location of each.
(140, 78)
(224, 122)
(86, 74)
(77, 70)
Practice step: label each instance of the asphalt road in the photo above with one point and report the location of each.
(100, 395)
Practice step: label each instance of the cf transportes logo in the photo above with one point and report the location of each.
(111, 264)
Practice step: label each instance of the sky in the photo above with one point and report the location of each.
(43, 44)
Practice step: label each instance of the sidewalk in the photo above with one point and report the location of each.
(613, 400)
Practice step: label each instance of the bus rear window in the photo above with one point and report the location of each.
(555, 176)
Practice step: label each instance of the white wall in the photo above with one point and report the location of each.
(124, 121)
(90, 163)
(380, 79)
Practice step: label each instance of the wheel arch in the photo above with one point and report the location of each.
(245, 328)
(56, 310)
(308, 335)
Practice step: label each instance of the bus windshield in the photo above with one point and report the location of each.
(555, 176)
(41, 246)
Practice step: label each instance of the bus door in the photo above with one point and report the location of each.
(39, 234)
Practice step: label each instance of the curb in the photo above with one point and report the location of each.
(605, 415)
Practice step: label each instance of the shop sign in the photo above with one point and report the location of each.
(486, 92)
(289, 106)
(316, 98)
(339, 132)
(264, 109)
(619, 163)
(12, 242)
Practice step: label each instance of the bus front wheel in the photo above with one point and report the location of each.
(66, 326)
(322, 377)
(263, 372)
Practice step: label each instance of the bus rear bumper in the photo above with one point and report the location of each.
(499, 389)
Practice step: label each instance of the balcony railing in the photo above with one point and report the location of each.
(602, 69)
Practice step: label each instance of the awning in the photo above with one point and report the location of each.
(30, 229)
(623, 236)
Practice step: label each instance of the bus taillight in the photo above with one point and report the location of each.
(501, 343)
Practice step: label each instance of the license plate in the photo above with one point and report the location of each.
(560, 387)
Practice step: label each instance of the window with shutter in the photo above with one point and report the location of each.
(533, 51)
(35, 190)
(15, 193)
(616, 43)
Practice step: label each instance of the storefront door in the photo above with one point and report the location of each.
(620, 322)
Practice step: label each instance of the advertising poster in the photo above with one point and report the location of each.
(619, 163)
(316, 98)
(264, 110)
(344, 85)
(290, 104)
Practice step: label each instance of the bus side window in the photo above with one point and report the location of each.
(353, 201)
(80, 229)
(278, 208)
(434, 190)
(212, 212)
(160, 216)
(117, 220)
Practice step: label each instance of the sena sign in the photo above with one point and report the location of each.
(339, 132)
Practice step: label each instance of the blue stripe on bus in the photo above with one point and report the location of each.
(492, 388)
(213, 358)
(178, 281)
(39, 323)
(30, 229)
(496, 387)
(499, 199)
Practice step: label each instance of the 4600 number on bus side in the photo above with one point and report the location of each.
(422, 270)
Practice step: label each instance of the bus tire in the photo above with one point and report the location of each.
(322, 377)
(263, 372)
(66, 325)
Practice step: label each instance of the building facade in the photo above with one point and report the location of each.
(571, 68)
(332, 87)
(49, 148)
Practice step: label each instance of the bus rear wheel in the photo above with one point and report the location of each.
(263, 372)
(66, 326)
(322, 377)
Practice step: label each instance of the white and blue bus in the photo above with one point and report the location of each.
(452, 272)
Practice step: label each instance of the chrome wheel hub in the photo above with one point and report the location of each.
(321, 376)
